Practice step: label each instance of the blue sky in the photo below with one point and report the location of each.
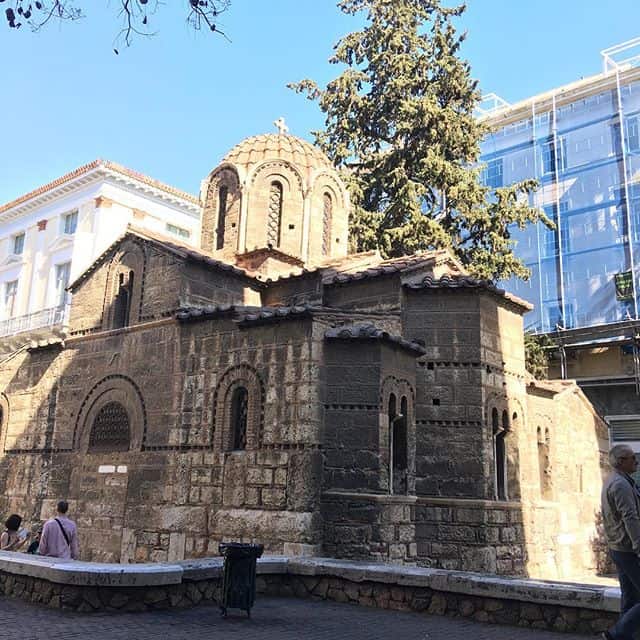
(172, 105)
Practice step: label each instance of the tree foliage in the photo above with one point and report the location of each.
(136, 15)
(400, 121)
(536, 354)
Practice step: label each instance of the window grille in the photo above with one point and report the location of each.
(274, 221)
(327, 215)
(110, 430)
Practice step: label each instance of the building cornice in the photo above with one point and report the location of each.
(563, 95)
(94, 173)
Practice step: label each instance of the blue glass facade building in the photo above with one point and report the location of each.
(582, 143)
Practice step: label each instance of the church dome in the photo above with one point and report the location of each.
(277, 146)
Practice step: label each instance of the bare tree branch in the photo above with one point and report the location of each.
(136, 15)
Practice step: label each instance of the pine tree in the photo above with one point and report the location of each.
(400, 123)
(536, 353)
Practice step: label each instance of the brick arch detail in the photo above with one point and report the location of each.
(243, 375)
(131, 256)
(502, 403)
(113, 388)
(227, 176)
(400, 387)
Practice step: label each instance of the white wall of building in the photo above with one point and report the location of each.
(104, 209)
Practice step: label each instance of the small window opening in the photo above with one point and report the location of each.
(544, 464)
(500, 455)
(223, 194)
(239, 412)
(122, 300)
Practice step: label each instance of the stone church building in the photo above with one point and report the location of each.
(271, 387)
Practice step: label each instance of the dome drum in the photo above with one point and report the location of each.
(276, 191)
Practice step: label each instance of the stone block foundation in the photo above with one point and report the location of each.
(88, 587)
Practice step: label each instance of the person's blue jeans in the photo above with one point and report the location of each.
(628, 565)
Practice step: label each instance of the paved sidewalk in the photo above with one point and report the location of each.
(272, 619)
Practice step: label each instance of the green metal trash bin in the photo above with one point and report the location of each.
(239, 576)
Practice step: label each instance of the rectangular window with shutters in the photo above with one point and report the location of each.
(624, 428)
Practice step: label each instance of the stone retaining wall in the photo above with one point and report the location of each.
(88, 587)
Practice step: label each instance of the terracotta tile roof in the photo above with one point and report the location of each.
(265, 315)
(275, 146)
(384, 267)
(246, 315)
(183, 250)
(371, 332)
(468, 282)
(344, 263)
(186, 314)
(369, 264)
(99, 164)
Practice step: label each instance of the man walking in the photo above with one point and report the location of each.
(621, 516)
(59, 537)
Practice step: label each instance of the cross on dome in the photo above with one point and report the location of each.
(281, 126)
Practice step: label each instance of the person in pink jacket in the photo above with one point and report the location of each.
(59, 537)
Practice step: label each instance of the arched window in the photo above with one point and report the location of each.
(544, 464)
(223, 195)
(122, 300)
(327, 216)
(500, 452)
(274, 219)
(110, 430)
(399, 448)
(239, 412)
(392, 410)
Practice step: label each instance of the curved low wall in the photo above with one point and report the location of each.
(88, 586)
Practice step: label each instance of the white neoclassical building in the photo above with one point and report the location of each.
(50, 235)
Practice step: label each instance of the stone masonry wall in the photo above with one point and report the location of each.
(451, 453)
(376, 294)
(471, 535)
(178, 491)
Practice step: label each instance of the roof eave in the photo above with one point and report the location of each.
(88, 175)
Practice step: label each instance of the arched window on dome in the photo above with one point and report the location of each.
(223, 195)
(327, 215)
(274, 219)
